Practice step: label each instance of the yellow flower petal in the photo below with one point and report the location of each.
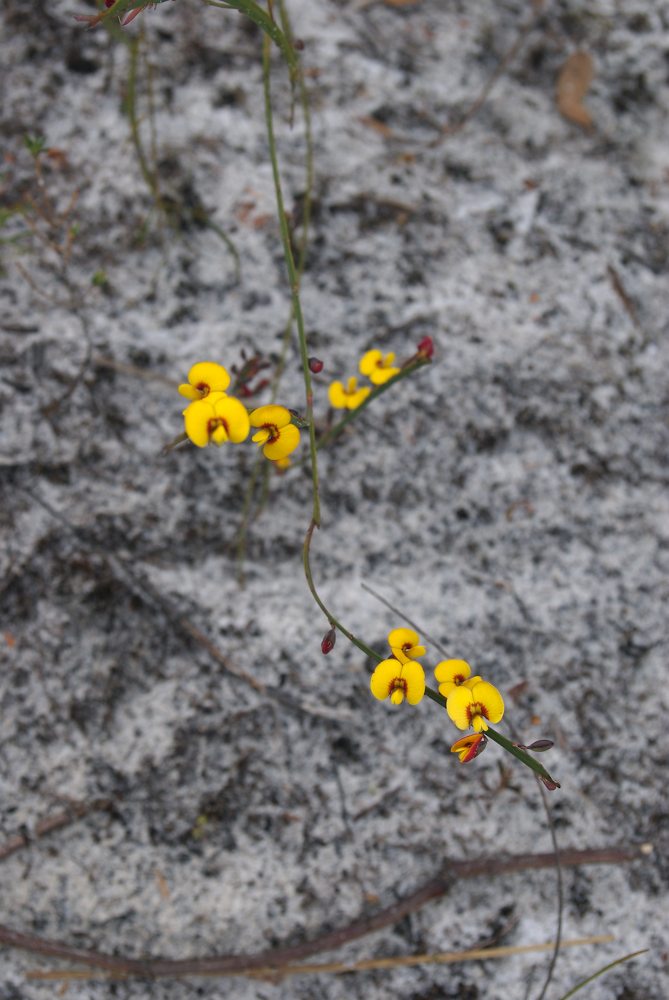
(404, 644)
(381, 680)
(402, 637)
(285, 443)
(196, 422)
(378, 368)
(458, 703)
(276, 416)
(207, 376)
(414, 675)
(453, 671)
(235, 416)
(369, 362)
(189, 391)
(358, 397)
(219, 435)
(490, 699)
(338, 396)
(260, 436)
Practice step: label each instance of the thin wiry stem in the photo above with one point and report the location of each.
(293, 278)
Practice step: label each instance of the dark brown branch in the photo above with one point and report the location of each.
(50, 824)
(278, 957)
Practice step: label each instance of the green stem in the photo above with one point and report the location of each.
(293, 278)
(525, 758)
(334, 622)
(267, 25)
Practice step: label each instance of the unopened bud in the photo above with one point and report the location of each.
(328, 641)
(315, 365)
(426, 347)
(539, 746)
(549, 783)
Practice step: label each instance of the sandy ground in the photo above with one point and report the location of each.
(511, 498)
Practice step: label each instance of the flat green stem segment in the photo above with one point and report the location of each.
(260, 17)
(525, 758)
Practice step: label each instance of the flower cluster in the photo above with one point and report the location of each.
(376, 366)
(214, 416)
(471, 702)
(400, 676)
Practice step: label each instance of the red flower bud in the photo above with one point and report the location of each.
(329, 639)
(315, 365)
(540, 745)
(426, 347)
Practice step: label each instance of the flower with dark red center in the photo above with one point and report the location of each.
(398, 681)
(277, 436)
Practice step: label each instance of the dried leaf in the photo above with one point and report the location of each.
(572, 86)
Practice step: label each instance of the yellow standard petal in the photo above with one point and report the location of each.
(490, 700)
(404, 643)
(205, 377)
(286, 442)
(347, 397)
(338, 396)
(381, 681)
(474, 708)
(196, 422)
(377, 367)
(458, 705)
(414, 675)
(455, 671)
(234, 417)
(271, 415)
(450, 674)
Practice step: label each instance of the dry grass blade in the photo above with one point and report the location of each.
(366, 965)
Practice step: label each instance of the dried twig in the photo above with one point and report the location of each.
(275, 960)
(50, 824)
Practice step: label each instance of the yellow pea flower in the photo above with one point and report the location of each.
(473, 708)
(398, 681)
(347, 397)
(277, 435)
(452, 673)
(378, 367)
(203, 378)
(218, 418)
(469, 747)
(404, 643)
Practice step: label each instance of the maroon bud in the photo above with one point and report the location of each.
(549, 783)
(426, 347)
(540, 745)
(329, 639)
(315, 365)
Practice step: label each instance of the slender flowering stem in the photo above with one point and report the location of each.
(293, 278)
(334, 622)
